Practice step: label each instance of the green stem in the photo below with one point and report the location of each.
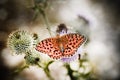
(46, 21)
(20, 69)
(41, 10)
(70, 72)
(39, 65)
(46, 70)
(48, 73)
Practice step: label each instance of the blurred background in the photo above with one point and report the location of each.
(98, 20)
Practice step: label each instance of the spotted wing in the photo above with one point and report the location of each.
(50, 47)
(74, 41)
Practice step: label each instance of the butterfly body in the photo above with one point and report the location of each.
(61, 43)
(61, 46)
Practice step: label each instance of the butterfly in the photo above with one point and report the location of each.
(61, 46)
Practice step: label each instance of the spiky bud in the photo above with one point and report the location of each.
(20, 41)
(32, 57)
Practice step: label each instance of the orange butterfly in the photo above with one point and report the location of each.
(61, 46)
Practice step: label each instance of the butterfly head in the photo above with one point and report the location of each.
(62, 29)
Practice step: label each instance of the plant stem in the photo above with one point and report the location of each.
(20, 69)
(46, 22)
(48, 73)
(46, 70)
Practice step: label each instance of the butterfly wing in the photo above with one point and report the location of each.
(73, 43)
(50, 47)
